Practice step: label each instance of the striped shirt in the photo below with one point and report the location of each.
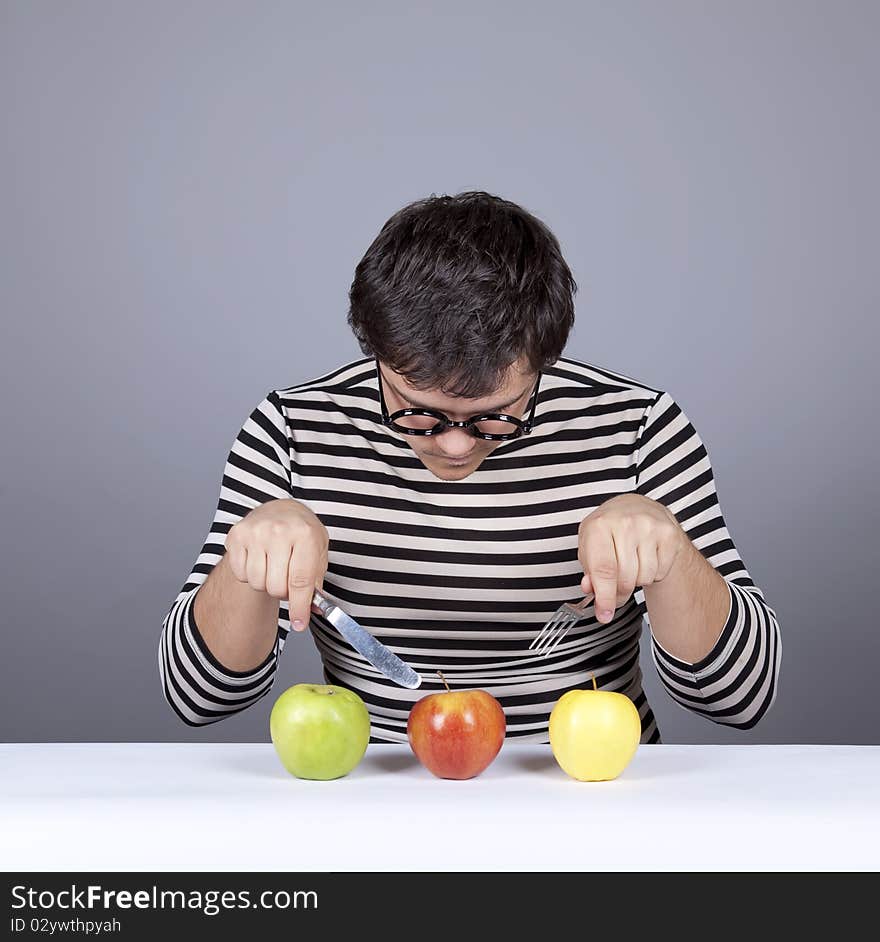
(459, 576)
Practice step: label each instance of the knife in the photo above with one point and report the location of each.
(382, 658)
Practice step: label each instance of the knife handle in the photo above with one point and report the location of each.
(321, 604)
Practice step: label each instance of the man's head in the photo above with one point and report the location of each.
(455, 453)
(462, 299)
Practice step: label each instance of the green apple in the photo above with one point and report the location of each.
(320, 731)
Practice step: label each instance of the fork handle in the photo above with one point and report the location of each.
(581, 606)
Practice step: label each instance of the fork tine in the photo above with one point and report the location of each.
(558, 627)
(548, 630)
(558, 640)
(550, 640)
(551, 635)
(560, 633)
(541, 636)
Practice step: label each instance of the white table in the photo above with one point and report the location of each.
(232, 807)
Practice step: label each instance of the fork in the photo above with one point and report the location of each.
(556, 629)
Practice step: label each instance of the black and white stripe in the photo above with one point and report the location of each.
(459, 576)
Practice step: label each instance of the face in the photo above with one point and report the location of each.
(455, 453)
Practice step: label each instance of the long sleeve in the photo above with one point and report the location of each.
(735, 683)
(199, 689)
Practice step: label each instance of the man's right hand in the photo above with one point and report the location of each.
(280, 548)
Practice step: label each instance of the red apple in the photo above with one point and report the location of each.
(458, 733)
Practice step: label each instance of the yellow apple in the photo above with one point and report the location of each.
(594, 733)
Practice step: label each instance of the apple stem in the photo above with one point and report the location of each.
(444, 681)
(593, 676)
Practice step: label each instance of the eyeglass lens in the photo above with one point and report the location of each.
(427, 422)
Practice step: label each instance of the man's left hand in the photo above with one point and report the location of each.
(628, 541)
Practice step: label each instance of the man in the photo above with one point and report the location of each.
(454, 487)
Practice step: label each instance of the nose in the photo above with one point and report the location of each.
(455, 443)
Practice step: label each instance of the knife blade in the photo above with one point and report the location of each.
(382, 658)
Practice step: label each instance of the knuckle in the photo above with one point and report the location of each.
(257, 527)
(235, 536)
(646, 525)
(590, 521)
(604, 570)
(669, 529)
(267, 530)
(314, 526)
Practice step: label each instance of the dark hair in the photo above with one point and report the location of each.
(456, 288)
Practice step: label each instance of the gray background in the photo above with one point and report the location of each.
(187, 187)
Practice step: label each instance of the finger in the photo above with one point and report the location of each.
(303, 574)
(256, 569)
(586, 584)
(237, 556)
(648, 564)
(667, 555)
(322, 570)
(626, 550)
(586, 581)
(277, 568)
(600, 564)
